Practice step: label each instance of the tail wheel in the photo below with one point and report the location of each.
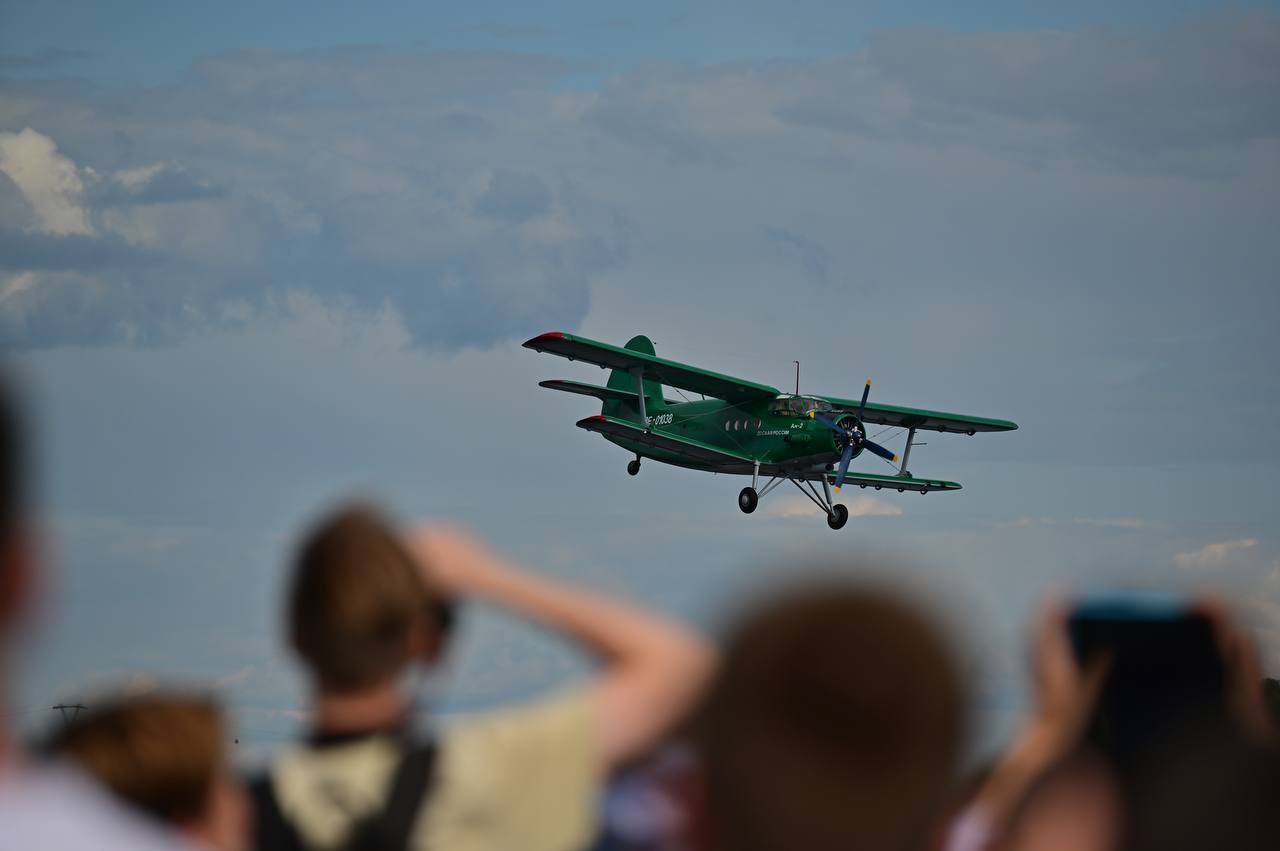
(748, 499)
(838, 517)
(633, 467)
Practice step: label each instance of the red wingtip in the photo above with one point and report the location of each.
(597, 418)
(550, 335)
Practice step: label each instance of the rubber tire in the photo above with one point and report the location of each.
(748, 499)
(838, 517)
(633, 466)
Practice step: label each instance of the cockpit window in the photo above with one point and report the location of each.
(799, 406)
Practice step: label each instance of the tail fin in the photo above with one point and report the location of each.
(622, 380)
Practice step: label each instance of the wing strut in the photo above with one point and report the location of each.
(906, 453)
(638, 372)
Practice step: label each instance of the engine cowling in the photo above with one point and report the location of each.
(851, 430)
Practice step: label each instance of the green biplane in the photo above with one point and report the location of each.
(747, 428)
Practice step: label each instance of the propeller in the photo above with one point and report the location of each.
(855, 437)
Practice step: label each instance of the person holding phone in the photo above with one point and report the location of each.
(1124, 687)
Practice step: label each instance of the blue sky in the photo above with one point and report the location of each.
(155, 41)
(255, 259)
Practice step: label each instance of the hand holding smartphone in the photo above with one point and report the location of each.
(1167, 680)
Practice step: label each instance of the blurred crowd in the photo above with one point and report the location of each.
(831, 715)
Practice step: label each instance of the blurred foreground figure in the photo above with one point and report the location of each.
(1098, 766)
(166, 756)
(42, 807)
(365, 606)
(834, 723)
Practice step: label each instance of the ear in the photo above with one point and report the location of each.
(426, 641)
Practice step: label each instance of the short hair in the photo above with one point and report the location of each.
(834, 722)
(12, 461)
(160, 753)
(356, 594)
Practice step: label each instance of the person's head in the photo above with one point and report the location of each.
(834, 722)
(165, 755)
(360, 611)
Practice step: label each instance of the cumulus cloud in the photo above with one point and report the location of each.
(352, 175)
(477, 199)
(50, 182)
(1214, 555)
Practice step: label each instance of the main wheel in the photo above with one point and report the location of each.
(838, 517)
(633, 467)
(748, 499)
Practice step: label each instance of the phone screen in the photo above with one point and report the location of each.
(1167, 683)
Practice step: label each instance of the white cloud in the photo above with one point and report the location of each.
(862, 505)
(1213, 555)
(236, 678)
(1113, 522)
(50, 181)
(15, 285)
(135, 179)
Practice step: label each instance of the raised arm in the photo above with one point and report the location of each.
(653, 668)
(1064, 699)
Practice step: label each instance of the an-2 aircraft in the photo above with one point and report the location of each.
(744, 427)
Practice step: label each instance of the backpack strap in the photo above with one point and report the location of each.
(408, 793)
(392, 828)
(271, 830)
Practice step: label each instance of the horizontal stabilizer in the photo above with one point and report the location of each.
(606, 394)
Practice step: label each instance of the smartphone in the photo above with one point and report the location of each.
(1167, 683)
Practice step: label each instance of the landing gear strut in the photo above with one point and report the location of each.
(633, 467)
(837, 515)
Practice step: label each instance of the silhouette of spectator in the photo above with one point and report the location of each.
(42, 806)
(364, 606)
(834, 722)
(165, 755)
(1054, 789)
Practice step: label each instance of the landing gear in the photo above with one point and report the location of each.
(633, 467)
(837, 515)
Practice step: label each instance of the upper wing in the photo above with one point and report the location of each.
(896, 415)
(658, 369)
(693, 449)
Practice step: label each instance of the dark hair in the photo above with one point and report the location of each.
(12, 461)
(355, 596)
(834, 722)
